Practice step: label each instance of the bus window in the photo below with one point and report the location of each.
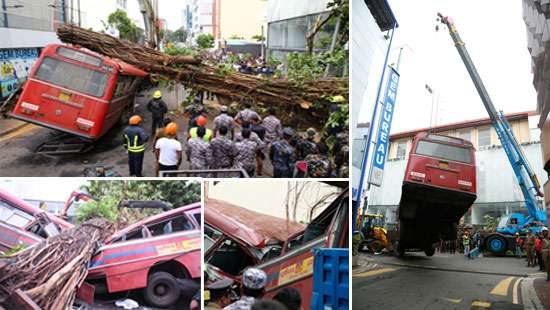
(443, 151)
(72, 76)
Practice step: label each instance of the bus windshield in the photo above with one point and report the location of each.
(71, 76)
(443, 151)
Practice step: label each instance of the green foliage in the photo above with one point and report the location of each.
(125, 26)
(205, 41)
(258, 37)
(106, 207)
(180, 51)
(491, 223)
(180, 35)
(14, 250)
(236, 37)
(308, 67)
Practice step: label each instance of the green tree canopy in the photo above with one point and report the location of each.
(125, 26)
(205, 41)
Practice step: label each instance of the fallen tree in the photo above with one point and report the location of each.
(313, 96)
(48, 274)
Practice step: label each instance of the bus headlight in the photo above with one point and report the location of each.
(418, 176)
(28, 108)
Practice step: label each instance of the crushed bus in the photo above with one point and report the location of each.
(438, 189)
(78, 92)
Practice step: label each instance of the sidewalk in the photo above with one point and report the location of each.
(9, 125)
(542, 287)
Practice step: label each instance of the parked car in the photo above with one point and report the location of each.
(150, 255)
(24, 224)
(234, 241)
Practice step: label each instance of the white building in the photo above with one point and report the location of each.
(371, 26)
(202, 17)
(97, 14)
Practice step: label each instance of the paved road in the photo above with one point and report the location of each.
(18, 158)
(440, 282)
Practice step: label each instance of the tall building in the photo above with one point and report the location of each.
(97, 14)
(494, 199)
(371, 27)
(537, 20)
(26, 27)
(202, 12)
(242, 18)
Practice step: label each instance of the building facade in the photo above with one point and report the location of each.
(242, 18)
(494, 198)
(536, 14)
(288, 23)
(372, 22)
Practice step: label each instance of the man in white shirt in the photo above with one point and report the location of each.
(168, 150)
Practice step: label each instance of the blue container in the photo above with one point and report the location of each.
(330, 279)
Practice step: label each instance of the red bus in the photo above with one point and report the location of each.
(438, 189)
(77, 92)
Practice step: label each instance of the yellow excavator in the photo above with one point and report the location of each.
(373, 234)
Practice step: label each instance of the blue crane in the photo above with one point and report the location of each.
(503, 239)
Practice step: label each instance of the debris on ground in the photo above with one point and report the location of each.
(48, 274)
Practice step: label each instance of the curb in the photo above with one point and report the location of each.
(459, 270)
(12, 129)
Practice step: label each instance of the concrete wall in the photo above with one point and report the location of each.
(243, 17)
(284, 9)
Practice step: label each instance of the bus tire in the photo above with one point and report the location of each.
(162, 290)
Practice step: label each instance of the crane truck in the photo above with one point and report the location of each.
(502, 240)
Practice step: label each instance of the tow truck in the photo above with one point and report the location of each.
(502, 240)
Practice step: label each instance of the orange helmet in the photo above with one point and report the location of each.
(201, 121)
(171, 129)
(135, 120)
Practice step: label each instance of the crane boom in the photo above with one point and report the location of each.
(527, 179)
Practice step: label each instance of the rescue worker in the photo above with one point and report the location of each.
(319, 165)
(259, 130)
(530, 248)
(273, 127)
(220, 294)
(244, 153)
(519, 245)
(198, 151)
(253, 285)
(201, 122)
(546, 251)
(247, 115)
(224, 120)
(283, 155)
(134, 142)
(341, 154)
(307, 145)
(158, 109)
(222, 150)
(193, 111)
(168, 150)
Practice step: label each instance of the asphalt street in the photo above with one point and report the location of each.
(443, 281)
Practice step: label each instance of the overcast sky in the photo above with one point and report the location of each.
(495, 35)
(172, 11)
(48, 189)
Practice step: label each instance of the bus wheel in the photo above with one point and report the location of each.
(429, 251)
(162, 290)
(496, 245)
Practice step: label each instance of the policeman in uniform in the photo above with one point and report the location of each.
(222, 150)
(283, 155)
(220, 294)
(244, 152)
(198, 151)
(158, 108)
(273, 127)
(193, 111)
(247, 115)
(319, 165)
(253, 285)
(134, 142)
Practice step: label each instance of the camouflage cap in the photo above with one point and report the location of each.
(287, 131)
(311, 132)
(254, 278)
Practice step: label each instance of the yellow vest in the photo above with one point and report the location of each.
(207, 135)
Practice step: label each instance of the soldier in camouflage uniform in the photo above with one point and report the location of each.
(273, 127)
(319, 165)
(222, 150)
(253, 285)
(244, 153)
(341, 154)
(247, 115)
(283, 155)
(224, 120)
(198, 151)
(307, 145)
